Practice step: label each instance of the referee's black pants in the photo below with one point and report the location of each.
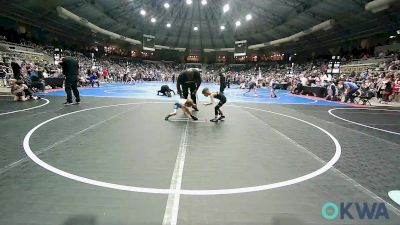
(72, 85)
(192, 88)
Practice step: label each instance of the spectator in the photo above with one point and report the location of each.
(3, 75)
(222, 82)
(350, 89)
(304, 81)
(16, 68)
(332, 92)
(387, 88)
(396, 88)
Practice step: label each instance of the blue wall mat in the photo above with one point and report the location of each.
(148, 90)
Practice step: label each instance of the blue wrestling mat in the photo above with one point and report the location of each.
(148, 90)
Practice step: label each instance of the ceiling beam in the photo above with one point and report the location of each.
(210, 31)
(180, 28)
(38, 24)
(161, 18)
(174, 14)
(190, 29)
(46, 20)
(200, 25)
(304, 7)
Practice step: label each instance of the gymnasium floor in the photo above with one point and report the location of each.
(113, 160)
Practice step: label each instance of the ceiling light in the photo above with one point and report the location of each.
(225, 8)
(398, 31)
(168, 25)
(153, 20)
(237, 23)
(189, 2)
(142, 12)
(166, 5)
(222, 27)
(204, 2)
(392, 37)
(248, 17)
(195, 28)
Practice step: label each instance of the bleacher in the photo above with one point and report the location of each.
(12, 50)
(362, 65)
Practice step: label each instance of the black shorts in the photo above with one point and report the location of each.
(165, 89)
(221, 102)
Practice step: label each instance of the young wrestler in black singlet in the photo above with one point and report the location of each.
(222, 100)
(165, 90)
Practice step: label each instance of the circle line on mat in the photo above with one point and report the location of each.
(71, 176)
(360, 124)
(27, 109)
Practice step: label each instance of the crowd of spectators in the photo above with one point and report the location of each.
(119, 70)
(382, 80)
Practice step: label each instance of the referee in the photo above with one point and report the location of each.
(70, 69)
(222, 82)
(189, 80)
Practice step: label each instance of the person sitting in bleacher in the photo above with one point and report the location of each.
(297, 87)
(387, 88)
(366, 93)
(83, 81)
(332, 91)
(16, 68)
(3, 75)
(36, 81)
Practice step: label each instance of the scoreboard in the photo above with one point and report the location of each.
(334, 65)
(240, 48)
(57, 56)
(148, 42)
